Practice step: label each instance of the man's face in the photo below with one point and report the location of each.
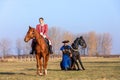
(65, 44)
(41, 21)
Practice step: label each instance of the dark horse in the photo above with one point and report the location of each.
(75, 52)
(41, 50)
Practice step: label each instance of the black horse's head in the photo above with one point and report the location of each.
(82, 42)
(79, 41)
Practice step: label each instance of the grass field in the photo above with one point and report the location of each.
(96, 69)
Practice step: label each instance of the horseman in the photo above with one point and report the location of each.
(42, 29)
(65, 64)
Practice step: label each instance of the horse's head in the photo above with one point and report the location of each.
(30, 34)
(82, 42)
(79, 41)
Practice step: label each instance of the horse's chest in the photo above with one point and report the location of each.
(75, 53)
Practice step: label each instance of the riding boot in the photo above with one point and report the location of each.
(50, 49)
(33, 46)
(32, 51)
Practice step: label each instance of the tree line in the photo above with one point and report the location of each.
(97, 43)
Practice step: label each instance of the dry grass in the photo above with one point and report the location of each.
(96, 69)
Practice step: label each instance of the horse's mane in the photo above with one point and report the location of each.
(37, 32)
(75, 43)
(76, 40)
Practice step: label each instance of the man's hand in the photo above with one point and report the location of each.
(41, 34)
(44, 36)
(70, 54)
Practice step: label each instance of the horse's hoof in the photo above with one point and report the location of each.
(78, 69)
(40, 74)
(83, 69)
(45, 72)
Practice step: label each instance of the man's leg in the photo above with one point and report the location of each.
(33, 46)
(50, 47)
(32, 51)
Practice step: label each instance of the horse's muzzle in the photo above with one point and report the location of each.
(25, 39)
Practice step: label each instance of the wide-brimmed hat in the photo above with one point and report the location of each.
(65, 41)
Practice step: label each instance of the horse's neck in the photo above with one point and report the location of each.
(38, 37)
(76, 44)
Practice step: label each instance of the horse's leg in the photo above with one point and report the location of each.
(37, 65)
(75, 62)
(72, 64)
(40, 66)
(45, 64)
(81, 62)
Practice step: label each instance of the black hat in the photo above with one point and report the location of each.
(65, 41)
(81, 37)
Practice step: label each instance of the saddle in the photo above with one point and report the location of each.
(34, 42)
(49, 46)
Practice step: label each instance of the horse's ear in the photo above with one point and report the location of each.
(30, 27)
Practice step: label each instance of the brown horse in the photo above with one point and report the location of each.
(41, 50)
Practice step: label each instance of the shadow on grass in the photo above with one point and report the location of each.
(31, 69)
(63, 70)
(102, 62)
(17, 73)
(11, 73)
(54, 70)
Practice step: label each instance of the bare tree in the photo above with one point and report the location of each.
(92, 43)
(68, 36)
(106, 44)
(5, 46)
(26, 47)
(55, 35)
(99, 44)
(19, 46)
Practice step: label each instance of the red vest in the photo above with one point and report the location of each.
(42, 29)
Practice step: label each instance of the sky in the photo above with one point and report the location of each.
(77, 16)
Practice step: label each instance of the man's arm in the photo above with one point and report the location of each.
(46, 29)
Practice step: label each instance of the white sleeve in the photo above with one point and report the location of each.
(41, 34)
(44, 36)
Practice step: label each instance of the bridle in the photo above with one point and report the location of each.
(74, 49)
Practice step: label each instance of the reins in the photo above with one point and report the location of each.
(74, 49)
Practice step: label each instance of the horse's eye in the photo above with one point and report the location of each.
(33, 32)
